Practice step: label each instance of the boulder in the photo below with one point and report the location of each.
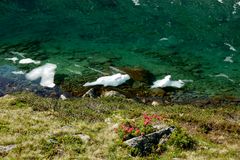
(145, 143)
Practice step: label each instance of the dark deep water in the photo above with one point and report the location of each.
(196, 40)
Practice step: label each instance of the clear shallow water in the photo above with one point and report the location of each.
(188, 39)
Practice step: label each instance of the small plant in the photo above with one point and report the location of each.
(142, 127)
(182, 140)
(206, 128)
(128, 130)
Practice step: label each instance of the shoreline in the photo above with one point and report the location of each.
(137, 89)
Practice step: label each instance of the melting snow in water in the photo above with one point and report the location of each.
(18, 72)
(13, 59)
(222, 75)
(228, 59)
(28, 61)
(114, 80)
(45, 72)
(235, 6)
(230, 47)
(136, 2)
(220, 1)
(167, 82)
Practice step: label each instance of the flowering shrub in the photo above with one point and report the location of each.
(128, 130)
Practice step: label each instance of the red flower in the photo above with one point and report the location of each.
(157, 117)
(147, 121)
(130, 129)
(137, 131)
(145, 116)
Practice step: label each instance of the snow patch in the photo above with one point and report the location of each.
(164, 39)
(45, 72)
(13, 59)
(222, 75)
(18, 72)
(28, 61)
(113, 80)
(235, 6)
(136, 2)
(167, 82)
(230, 47)
(228, 59)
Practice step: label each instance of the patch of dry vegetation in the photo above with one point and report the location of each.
(43, 128)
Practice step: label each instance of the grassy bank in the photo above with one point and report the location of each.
(41, 128)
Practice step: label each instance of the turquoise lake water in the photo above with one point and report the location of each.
(195, 40)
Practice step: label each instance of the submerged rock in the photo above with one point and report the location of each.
(139, 74)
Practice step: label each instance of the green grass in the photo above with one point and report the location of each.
(44, 128)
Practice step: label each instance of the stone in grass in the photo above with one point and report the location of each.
(112, 94)
(155, 103)
(144, 144)
(5, 149)
(85, 138)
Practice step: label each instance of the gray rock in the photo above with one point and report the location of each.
(5, 149)
(145, 143)
(112, 94)
(85, 138)
(90, 93)
(160, 126)
(155, 103)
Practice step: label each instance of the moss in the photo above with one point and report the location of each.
(181, 140)
(4, 126)
(61, 143)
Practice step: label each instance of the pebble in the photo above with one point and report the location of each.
(84, 137)
(155, 103)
